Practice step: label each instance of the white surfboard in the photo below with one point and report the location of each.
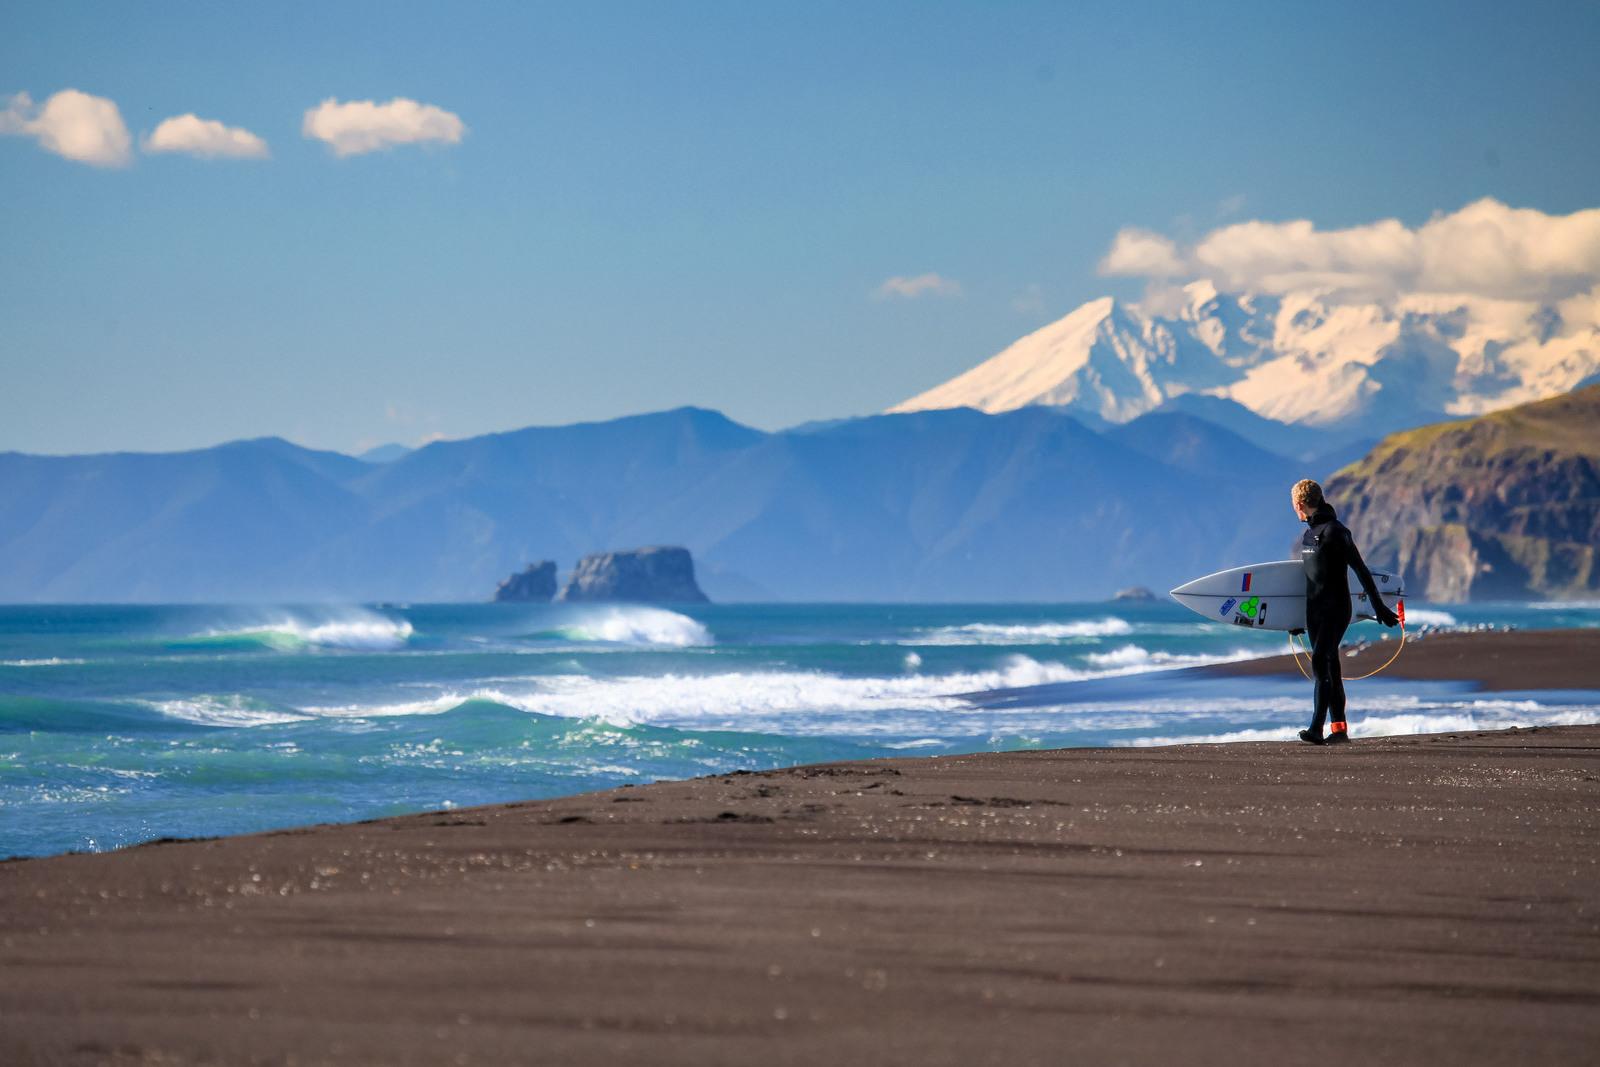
(1272, 596)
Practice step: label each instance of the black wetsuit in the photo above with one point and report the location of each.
(1329, 553)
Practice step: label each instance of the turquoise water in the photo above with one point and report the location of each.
(120, 724)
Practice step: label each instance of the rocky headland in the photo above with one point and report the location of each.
(1505, 506)
(662, 574)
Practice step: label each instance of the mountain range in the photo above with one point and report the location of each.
(1116, 447)
(938, 505)
(1348, 371)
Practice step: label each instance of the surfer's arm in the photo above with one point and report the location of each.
(1353, 554)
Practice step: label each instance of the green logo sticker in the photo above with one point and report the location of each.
(1248, 608)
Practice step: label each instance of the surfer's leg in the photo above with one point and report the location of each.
(1337, 729)
(1327, 693)
(1319, 691)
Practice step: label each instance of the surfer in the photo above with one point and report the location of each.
(1329, 552)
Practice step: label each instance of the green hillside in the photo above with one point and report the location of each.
(1504, 506)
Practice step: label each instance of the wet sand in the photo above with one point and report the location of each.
(1428, 899)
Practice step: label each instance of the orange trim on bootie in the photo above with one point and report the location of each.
(1337, 727)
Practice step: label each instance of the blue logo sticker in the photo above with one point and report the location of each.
(1227, 606)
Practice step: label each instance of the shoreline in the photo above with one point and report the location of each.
(1401, 900)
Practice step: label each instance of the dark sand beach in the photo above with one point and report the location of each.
(1424, 900)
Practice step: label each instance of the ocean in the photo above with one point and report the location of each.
(124, 723)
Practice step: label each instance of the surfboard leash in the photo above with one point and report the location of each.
(1299, 646)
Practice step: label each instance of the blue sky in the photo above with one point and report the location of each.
(694, 203)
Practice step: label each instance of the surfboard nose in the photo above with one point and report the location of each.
(1187, 589)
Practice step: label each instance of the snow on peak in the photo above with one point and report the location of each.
(1300, 358)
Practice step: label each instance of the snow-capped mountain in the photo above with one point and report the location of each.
(1364, 369)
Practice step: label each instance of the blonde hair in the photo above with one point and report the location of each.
(1307, 494)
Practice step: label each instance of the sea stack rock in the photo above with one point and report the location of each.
(536, 584)
(663, 575)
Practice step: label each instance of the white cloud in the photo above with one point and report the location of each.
(88, 129)
(911, 288)
(1485, 249)
(1142, 254)
(205, 138)
(363, 126)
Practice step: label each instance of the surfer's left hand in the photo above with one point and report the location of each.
(1387, 616)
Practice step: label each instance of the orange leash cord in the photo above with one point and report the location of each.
(1298, 646)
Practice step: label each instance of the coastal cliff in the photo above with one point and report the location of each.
(1505, 506)
(661, 574)
(535, 584)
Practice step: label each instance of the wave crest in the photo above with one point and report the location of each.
(637, 626)
(231, 710)
(362, 631)
(1133, 658)
(1428, 617)
(1045, 633)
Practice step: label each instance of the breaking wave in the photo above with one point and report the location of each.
(1134, 658)
(795, 702)
(224, 711)
(634, 626)
(356, 630)
(1428, 617)
(1049, 633)
(727, 701)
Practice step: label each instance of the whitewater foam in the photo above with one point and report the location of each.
(640, 626)
(1428, 617)
(808, 701)
(1496, 715)
(353, 629)
(1049, 633)
(438, 705)
(797, 702)
(1133, 658)
(229, 711)
(1427, 718)
(374, 634)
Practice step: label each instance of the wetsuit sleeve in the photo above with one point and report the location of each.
(1352, 555)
